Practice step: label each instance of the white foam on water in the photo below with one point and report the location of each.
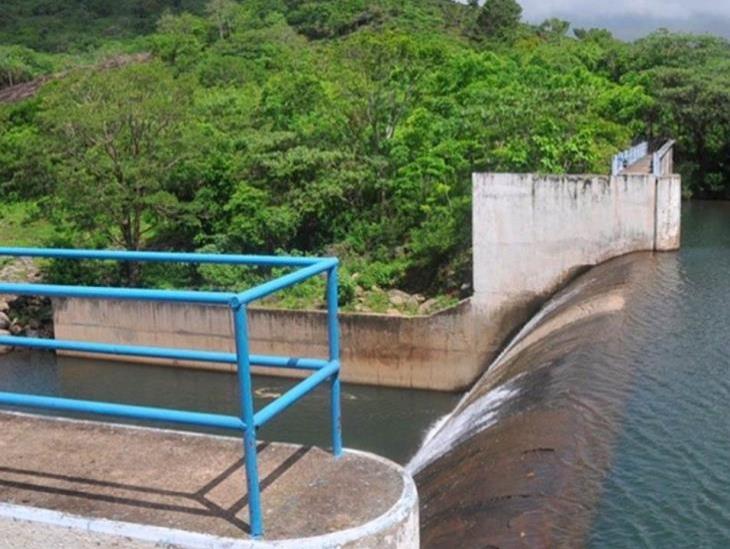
(476, 417)
(482, 413)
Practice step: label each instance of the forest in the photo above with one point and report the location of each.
(346, 128)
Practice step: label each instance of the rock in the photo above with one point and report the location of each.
(427, 306)
(398, 297)
(4, 306)
(16, 329)
(4, 321)
(4, 349)
(394, 312)
(32, 333)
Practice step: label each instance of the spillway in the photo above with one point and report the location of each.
(523, 455)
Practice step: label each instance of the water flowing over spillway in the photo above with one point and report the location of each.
(503, 465)
(538, 453)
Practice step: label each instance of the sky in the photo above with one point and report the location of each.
(629, 19)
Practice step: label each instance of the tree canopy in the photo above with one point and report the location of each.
(347, 127)
(499, 18)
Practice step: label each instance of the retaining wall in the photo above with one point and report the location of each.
(429, 352)
(530, 235)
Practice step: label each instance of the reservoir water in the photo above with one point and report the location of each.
(389, 422)
(669, 482)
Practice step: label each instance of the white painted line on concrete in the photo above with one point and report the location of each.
(154, 534)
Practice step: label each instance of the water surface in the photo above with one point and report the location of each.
(668, 486)
(389, 422)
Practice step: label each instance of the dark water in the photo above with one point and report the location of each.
(606, 423)
(669, 485)
(389, 422)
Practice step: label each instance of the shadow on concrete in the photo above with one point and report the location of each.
(200, 496)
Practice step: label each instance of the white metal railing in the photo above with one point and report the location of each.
(625, 158)
(662, 160)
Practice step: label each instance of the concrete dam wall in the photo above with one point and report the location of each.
(533, 233)
(530, 235)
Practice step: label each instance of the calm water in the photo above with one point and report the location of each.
(669, 485)
(389, 422)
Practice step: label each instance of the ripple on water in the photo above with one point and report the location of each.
(668, 484)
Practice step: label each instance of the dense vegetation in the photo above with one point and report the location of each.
(341, 127)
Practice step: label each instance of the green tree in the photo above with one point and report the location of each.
(19, 64)
(689, 77)
(553, 28)
(114, 137)
(499, 18)
(223, 14)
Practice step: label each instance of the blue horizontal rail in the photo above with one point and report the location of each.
(97, 292)
(122, 410)
(162, 257)
(300, 390)
(248, 421)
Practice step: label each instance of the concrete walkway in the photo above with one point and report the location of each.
(643, 165)
(170, 483)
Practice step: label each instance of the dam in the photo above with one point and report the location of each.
(550, 444)
(604, 422)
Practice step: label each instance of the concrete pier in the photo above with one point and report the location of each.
(79, 483)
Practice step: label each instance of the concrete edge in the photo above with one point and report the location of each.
(369, 314)
(398, 513)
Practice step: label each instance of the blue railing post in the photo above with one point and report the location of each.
(333, 333)
(248, 421)
(240, 322)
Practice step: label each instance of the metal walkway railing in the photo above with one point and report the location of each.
(248, 420)
(626, 158)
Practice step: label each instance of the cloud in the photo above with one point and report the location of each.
(653, 9)
(630, 19)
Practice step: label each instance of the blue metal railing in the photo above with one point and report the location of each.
(248, 420)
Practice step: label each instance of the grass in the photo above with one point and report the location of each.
(20, 226)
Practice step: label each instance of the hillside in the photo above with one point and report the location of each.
(328, 127)
(78, 25)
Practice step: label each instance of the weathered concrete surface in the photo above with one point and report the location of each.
(21, 534)
(532, 233)
(189, 489)
(440, 352)
(668, 213)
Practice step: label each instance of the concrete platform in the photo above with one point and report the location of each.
(113, 485)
